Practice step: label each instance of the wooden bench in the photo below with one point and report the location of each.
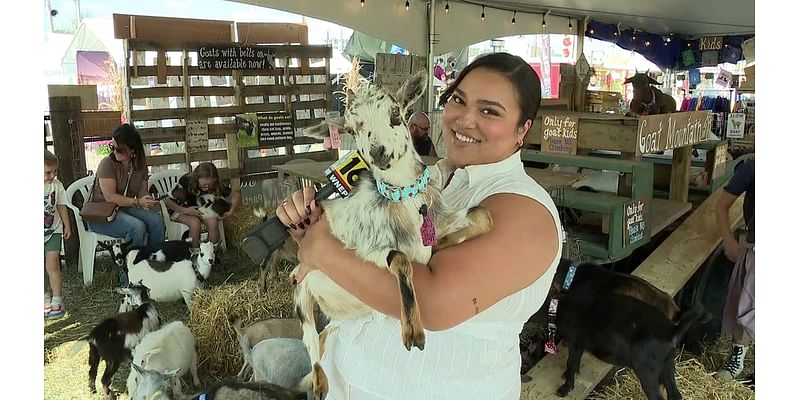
(669, 267)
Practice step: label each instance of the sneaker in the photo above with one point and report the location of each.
(56, 312)
(734, 366)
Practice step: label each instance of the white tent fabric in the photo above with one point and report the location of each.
(462, 26)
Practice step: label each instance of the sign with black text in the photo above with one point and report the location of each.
(720, 158)
(196, 134)
(559, 134)
(634, 227)
(235, 57)
(735, 128)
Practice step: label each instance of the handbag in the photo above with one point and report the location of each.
(102, 212)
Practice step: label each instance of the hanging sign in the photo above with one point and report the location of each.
(275, 128)
(711, 43)
(720, 158)
(724, 78)
(634, 227)
(559, 134)
(735, 126)
(661, 132)
(196, 134)
(235, 57)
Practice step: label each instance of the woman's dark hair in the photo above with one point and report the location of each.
(523, 79)
(126, 135)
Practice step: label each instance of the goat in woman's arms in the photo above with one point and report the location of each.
(391, 218)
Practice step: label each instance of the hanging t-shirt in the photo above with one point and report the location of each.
(54, 195)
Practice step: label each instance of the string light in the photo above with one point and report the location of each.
(447, 7)
(570, 24)
(362, 3)
(407, 5)
(647, 43)
(483, 14)
(514, 19)
(544, 24)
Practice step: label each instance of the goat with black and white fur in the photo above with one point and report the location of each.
(114, 338)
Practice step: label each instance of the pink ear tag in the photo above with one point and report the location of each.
(550, 347)
(427, 230)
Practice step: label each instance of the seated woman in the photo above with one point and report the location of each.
(183, 208)
(122, 179)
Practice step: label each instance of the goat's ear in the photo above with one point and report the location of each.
(653, 81)
(138, 369)
(413, 89)
(121, 290)
(629, 80)
(320, 130)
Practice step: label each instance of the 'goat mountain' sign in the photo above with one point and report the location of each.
(661, 132)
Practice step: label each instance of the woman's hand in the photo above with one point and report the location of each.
(299, 211)
(147, 201)
(316, 244)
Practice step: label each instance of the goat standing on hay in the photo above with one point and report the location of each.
(389, 219)
(648, 100)
(621, 321)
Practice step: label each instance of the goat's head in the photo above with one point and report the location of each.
(641, 84)
(206, 254)
(376, 118)
(119, 251)
(149, 383)
(135, 294)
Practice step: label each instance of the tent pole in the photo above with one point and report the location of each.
(431, 40)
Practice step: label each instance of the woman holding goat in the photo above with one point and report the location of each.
(474, 297)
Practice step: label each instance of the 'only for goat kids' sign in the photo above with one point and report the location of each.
(559, 134)
(235, 57)
(635, 222)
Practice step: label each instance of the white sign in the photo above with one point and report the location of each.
(196, 134)
(724, 78)
(735, 126)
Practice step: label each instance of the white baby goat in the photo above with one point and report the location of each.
(168, 349)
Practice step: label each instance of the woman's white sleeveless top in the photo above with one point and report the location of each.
(478, 359)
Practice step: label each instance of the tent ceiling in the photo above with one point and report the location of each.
(388, 19)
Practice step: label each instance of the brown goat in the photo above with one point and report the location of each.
(648, 100)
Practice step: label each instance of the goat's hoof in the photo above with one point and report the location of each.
(414, 338)
(526, 379)
(92, 390)
(320, 383)
(564, 390)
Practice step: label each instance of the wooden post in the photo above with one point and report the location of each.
(67, 134)
(679, 181)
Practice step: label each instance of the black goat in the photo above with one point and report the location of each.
(619, 329)
(114, 338)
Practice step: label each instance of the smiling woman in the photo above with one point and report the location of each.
(473, 297)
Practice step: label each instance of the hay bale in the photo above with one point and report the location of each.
(693, 380)
(238, 224)
(215, 340)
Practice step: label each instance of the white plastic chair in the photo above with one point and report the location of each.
(163, 182)
(88, 240)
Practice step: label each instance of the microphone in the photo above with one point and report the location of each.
(260, 242)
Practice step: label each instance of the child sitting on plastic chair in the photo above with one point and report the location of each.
(183, 202)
